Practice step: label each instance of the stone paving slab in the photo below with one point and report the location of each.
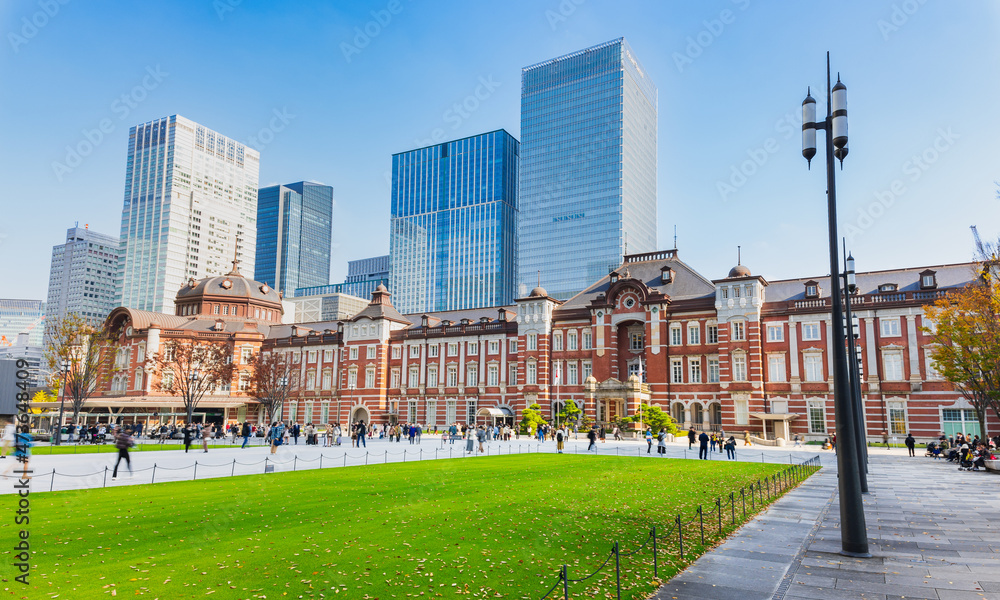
(934, 533)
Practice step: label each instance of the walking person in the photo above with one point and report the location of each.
(661, 442)
(206, 433)
(296, 431)
(649, 440)
(469, 442)
(885, 439)
(798, 441)
(453, 432)
(245, 434)
(910, 443)
(560, 437)
(691, 437)
(703, 446)
(277, 435)
(8, 438)
(481, 436)
(123, 441)
(362, 430)
(746, 438)
(592, 437)
(731, 448)
(188, 432)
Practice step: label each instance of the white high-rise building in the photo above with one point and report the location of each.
(190, 208)
(82, 278)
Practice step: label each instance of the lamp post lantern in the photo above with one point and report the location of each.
(853, 532)
(64, 366)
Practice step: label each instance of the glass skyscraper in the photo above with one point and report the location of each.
(588, 167)
(453, 237)
(82, 276)
(190, 207)
(294, 224)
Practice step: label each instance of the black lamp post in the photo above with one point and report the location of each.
(851, 325)
(853, 531)
(193, 382)
(64, 366)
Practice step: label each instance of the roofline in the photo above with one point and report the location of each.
(457, 140)
(901, 270)
(618, 40)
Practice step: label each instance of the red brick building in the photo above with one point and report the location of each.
(736, 353)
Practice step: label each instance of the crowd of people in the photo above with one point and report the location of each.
(970, 452)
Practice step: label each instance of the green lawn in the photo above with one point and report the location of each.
(498, 527)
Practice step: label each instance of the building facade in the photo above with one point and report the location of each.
(736, 353)
(588, 167)
(22, 316)
(453, 231)
(327, 307)
(294, 235)
(190, 206)
(82, 276)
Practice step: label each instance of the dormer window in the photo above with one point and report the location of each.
(613, 276)
(220, 325)
(812, 289)
(666, 275)
(887, 287)
(928, 280)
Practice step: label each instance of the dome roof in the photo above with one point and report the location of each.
(538, 292)
(233, 286)
(381, 288)
(739, 271)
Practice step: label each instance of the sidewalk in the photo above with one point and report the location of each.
(934, 533)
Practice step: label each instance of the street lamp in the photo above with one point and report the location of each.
(63, 371)
(853, 533)
(193, 378)
(282, 394)
(851, 323)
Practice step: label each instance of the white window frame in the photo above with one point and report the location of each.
(739, 367)
(738, 330)
(494, 347)
(676, 335)
(572, 373)
(676, 370)
(432, 377)
(891, 359)
(452, 348)
(894, 409)
(413, 376)
(776, 368)
(354, 353)
(889, 326)
(812, 367)
(741, 411)
(588, 340)
(512, 374)
(452, 375)
(394, 379)
(493, 374)
(815, 415)
(557, 342)
(812, 331)
(433, 351)
(713, 370)
(775, 332)
(414, 350)
(531, 374)
(472, 348)
(371, 351)
(572, 343)
(694, 334)
(472, 375)
(694, 370)
(532, 342)
(370, 377)
(586, 370)
(712, 333)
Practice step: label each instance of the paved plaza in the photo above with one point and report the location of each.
(934, 531)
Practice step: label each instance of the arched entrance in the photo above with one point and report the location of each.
(715, 414)
(677, 412)
(697, 415)
(360, 413)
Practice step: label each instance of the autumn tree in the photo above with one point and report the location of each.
(88, 354)
(272, 380)
(192, 369)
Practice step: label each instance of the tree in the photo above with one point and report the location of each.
(966, 338)
(531, 418)
(570, 412)
(272, 380)
(192, 369)
(87, 351)
(655, 418)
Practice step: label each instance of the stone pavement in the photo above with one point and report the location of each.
(934, 533)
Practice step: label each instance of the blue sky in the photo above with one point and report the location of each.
(921, 76)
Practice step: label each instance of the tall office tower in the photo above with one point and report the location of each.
(82, 276)
(453, 236)
(190, 208)
(22, 316)
(294, 225)
(588, 167)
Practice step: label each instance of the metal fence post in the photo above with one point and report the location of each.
(265, 464)
(732, 505)
(295, 461)
(618, 572)
(655, 573)
(680, 534)
(153, 480)
(743, 498)
(52, 483)
(195, 478)
(105, 477)
(345, 458)
(321, 460)
(701, 524)
(718, 507)
(565, 578)
(366, 458)
(233, 472)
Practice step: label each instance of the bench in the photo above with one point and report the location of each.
(992, 465)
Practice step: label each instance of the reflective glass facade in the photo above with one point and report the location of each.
(588, 167)
(294, 224)
(453, 236)
(82, 276)
(190, 206)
